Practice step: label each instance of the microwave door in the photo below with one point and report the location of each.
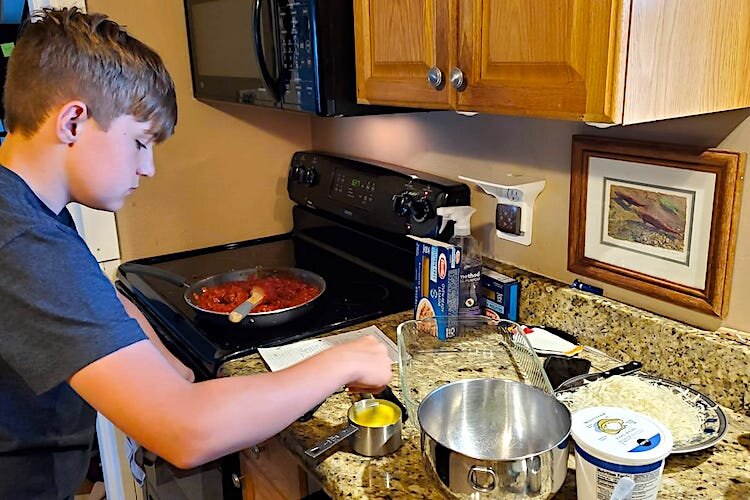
(223, 57)
(266, 37)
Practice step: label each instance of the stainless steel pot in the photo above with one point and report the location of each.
(368, 437)
(494, 438)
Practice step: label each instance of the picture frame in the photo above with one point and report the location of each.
(659, 219)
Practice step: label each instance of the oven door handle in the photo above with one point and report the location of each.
(271, 83)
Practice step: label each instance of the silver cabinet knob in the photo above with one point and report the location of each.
(435, 77)
(237, 481)
(457, 79)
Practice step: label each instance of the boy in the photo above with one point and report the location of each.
(85, 103)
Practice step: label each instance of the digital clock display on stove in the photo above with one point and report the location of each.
(353, 188)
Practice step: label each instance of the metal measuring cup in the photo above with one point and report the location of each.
(364, 439)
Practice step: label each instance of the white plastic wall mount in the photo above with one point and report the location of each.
(518, 190)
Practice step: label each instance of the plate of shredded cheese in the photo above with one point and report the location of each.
(696, 422)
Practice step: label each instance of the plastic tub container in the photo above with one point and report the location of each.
(611, 443)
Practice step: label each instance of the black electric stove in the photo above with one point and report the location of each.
(350, 224)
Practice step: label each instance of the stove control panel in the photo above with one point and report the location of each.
(387, 197)
(413, 204)
(304, 175)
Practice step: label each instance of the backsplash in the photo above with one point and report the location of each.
(706, 360)
(488, 146)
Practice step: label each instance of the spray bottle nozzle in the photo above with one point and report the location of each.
(460, 215)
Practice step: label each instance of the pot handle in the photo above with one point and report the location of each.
(168, 276)
(331, 441)
(486, 486)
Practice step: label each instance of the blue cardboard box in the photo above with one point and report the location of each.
(500, 295)
(436, 285)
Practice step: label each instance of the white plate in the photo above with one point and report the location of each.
(714, 424)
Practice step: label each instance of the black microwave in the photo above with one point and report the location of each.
(289, 54)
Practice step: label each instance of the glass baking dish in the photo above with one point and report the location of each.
(482, 348)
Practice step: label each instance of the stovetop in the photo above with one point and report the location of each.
(355, 292)
(351, 221)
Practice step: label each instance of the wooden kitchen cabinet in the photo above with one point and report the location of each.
(607, 61)
(398, 43)
(271, 472)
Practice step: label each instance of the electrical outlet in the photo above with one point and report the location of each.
(508, 219)
(516, 195)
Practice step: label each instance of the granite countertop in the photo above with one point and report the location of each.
(713, 362)
(722, 471)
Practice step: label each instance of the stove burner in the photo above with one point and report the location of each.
(353, 293)
(359, 293)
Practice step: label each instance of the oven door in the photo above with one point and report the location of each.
(234, 50)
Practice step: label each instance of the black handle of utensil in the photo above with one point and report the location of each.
(622, 369)
(625, 369)
(388, 395)
(156, 272)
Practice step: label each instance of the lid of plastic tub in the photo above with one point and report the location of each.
(621, 436)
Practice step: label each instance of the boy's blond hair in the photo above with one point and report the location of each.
(64, 55)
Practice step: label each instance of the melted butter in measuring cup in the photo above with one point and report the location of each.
(382, 414)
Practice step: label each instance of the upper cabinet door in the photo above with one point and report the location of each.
(551, 58)
(399, 45)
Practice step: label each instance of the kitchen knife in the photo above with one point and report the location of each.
(580, 380)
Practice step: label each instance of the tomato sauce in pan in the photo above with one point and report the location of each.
(279, 292)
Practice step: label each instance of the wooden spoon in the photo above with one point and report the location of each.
(256, 297)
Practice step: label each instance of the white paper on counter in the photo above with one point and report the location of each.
(278, 358)
(544, 342)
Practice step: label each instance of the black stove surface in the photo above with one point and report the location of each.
(351, 223)
(353, 294)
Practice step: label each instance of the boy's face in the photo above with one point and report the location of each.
(106, 166)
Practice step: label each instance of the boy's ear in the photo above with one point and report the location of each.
(71, 115)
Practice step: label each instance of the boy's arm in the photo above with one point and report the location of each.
(190, 424)
(137, 315)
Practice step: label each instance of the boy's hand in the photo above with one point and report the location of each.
(367, 363)
(187, 373)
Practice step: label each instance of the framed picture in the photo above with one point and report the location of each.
(658, 219)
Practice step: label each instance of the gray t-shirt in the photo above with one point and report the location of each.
(58, 313)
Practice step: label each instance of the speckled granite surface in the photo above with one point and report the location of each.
(720, 472)
(710, 363)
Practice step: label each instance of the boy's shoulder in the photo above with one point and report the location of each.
(21, 211)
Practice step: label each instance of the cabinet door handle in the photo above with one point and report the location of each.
(457, 79)
(435, 77)
(237, 481)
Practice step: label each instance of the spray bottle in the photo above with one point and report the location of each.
(470, 259)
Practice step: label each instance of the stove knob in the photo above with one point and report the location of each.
(298, 173)
(421, 209)
(310, 177)
(402, 203)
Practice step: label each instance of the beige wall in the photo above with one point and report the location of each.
(221, 178)
(483, 146)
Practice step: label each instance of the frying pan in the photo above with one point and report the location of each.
(259, 319)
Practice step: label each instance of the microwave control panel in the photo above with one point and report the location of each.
(298, 44)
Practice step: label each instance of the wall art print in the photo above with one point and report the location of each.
(656, 218)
